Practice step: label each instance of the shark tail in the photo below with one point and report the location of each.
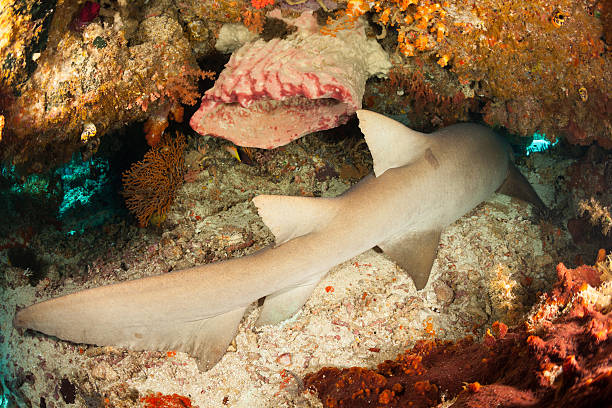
(140, 315)
(195, 310)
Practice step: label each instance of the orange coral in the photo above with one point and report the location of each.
(357, 7)
(157, 123)
(160, 400)
(253, 20)
(259, 4)
(150, 185)
(184, 87)
(154, 128)
(415, 21)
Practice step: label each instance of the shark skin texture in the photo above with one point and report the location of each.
(421, 183)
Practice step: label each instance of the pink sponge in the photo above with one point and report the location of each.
(271, 93)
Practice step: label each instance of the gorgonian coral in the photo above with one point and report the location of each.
(151, 184)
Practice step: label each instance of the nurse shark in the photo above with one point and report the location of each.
(421, 184)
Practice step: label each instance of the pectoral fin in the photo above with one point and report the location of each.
(414, 252)
(516, 185)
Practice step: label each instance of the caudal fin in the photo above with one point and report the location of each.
(195, 310)
(145, 314)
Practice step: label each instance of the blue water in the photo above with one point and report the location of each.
(89, 196)
(84, 193)
(4, 392)
(539, 144)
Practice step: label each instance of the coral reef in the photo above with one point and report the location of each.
(524, 66)
(23, 35)
(564, 358)
(590, 180)
(427, 103)
(113, 70)
(272, 92)
(151, 184)
(538, 67)
(165, 401)
(598, 214)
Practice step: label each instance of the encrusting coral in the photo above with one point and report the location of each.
(150, 185)
(159, 400)
(23, 35)
(589, 180)
(598, 214)
(428, 104)
(539, 66)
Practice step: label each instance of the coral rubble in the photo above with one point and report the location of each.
(560, 357)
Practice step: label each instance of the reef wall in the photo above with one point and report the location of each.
(76, 66)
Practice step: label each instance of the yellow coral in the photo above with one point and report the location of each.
(443, 60)
(502, 290)
(416, 20)
(89, 131)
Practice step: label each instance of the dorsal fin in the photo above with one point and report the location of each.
(391, 143)
(290, 217)
(285, 303)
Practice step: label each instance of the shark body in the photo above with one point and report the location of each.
(421, 183)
